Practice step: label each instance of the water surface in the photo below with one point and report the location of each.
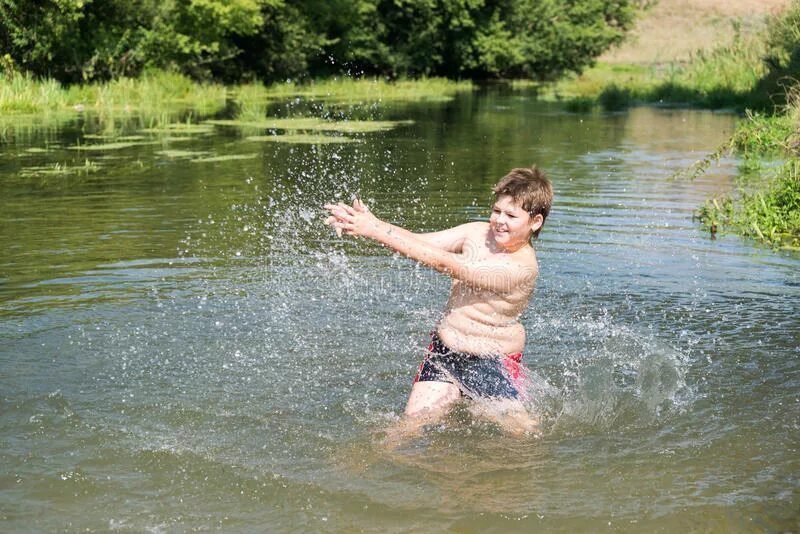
(183, 344)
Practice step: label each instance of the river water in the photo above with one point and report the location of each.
(184, 345)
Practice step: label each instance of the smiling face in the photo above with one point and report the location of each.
(511, 225)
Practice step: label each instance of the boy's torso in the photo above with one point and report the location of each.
(480, 321)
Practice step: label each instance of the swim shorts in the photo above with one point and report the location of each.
(492, 376)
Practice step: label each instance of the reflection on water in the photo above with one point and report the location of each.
(183, 344)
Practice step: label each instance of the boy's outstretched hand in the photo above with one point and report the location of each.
(355, 220)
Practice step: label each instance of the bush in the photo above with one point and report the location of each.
(771, 215)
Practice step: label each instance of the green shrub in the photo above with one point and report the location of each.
(770, 214)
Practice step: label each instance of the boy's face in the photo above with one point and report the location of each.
(510, 224)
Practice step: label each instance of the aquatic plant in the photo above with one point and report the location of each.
(312, 124)
(100, 147)
(61, 169)
(226, 157)
(175, 154)
(303, 139)
(188, 128)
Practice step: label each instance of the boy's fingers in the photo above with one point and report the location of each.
(337, 212)
(360, 206)
(348, 209)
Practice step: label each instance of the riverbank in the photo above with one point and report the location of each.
(765, 204)
(753, 70)
(159, 92)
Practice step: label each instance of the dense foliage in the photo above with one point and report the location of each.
(232, 40)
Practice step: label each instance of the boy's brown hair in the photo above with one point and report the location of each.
(530, 188)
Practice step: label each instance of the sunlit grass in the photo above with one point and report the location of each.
(591, 83)
(767, 212)
(21, 93)
(766, 203)
(155, 98)
(150, 95)
(725, 77)
(163, 102)
(345, 89)
(253, 100)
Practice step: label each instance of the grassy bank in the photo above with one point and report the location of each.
(158, 94)
(755, 73)
(23, 94)
(765, 204)
(769, 213)
(726, 77)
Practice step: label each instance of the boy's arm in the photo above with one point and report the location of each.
(451, 239)
(499, 275)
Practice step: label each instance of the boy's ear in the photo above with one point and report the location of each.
(536, 222)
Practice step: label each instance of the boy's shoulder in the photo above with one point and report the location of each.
(476, 227)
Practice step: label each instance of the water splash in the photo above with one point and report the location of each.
(609, 376)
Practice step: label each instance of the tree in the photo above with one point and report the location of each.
(79, 40)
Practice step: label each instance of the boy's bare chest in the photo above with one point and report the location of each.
(476, 248)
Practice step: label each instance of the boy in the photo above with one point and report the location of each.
(476, 348)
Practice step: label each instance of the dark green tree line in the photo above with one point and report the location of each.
(232, 40)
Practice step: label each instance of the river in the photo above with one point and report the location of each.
(185, 346)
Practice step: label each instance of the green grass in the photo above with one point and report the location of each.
(769, 213)
(765, 135)
(588, 86)
(253, 100)
(156, 98)
(373, 89)
(722, 78)
(160, 100)
(766, 202)
(21, 93)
